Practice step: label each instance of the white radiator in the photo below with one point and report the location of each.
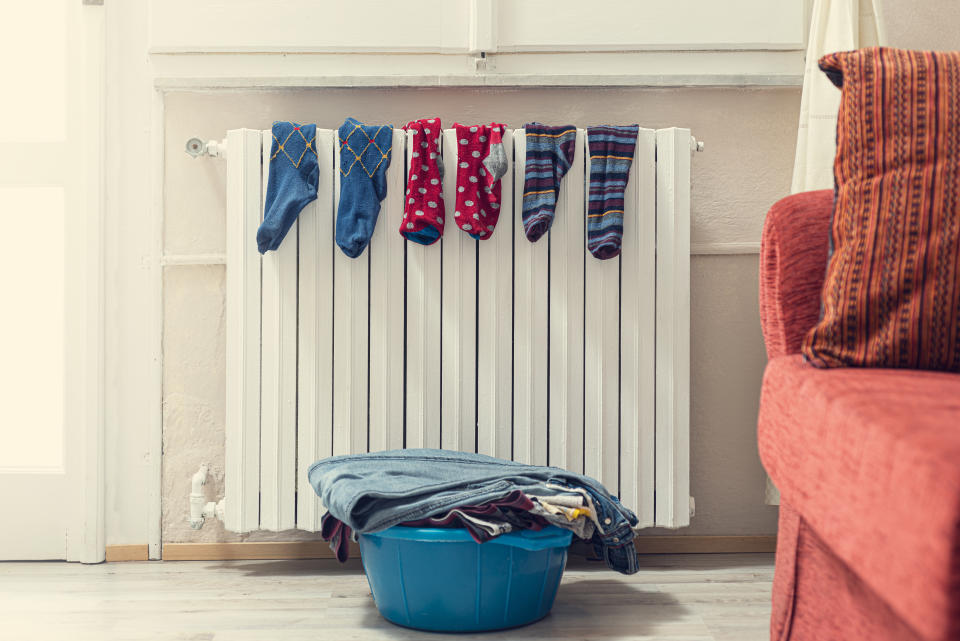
(550, 357)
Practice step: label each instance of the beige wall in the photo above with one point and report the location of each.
(750, 135)
(922, 24)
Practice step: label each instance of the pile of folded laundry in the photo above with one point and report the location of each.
(367, 493)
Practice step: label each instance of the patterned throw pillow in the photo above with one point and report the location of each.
(891, 297)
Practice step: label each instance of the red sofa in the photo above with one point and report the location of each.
(867, 462)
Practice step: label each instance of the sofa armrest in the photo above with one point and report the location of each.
(793, 261)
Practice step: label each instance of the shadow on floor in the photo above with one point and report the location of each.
(648, 562)
(295, 567)
(691, 562)
(590, 608)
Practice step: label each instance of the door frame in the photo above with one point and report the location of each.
(85, 381)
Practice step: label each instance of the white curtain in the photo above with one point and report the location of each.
(835, 25)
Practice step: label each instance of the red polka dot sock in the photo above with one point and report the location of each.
(478, 189)
(423, 210)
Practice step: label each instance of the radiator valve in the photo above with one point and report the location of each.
(197, 147)
(200, 508)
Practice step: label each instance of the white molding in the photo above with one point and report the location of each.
(315, 322)
(724, 249)
(458, 313)
(483, 26)
(672, 507)
(86, 525)
(531, 279)
(652, 68)
(495, 327)
(423, 366)
(676, 80)
(278, 372)
(243, 291)
(567, 241)
(482, 38)
(156, 319)
(171, 260)
(387, 342)
(601, 367)
(244, 50)
(638, 360)
(133, 245)
(351, 323)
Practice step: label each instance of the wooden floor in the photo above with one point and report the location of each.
(682, 597)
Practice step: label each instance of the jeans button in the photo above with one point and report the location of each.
(616, 539)
(607, 521)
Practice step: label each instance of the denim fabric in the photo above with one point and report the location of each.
(615, 544)
(372, 492)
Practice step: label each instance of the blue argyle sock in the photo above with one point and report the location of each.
(364, 158)
(292, 182)
(611, 154)
(549, 155)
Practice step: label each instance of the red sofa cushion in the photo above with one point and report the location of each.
(892, 288)
(871, 459)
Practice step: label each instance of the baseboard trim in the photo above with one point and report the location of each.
(320, 550)
(139, 552)
(251, 551)
(705, 544)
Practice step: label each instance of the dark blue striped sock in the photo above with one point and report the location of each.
(549, 155)
(611, 154)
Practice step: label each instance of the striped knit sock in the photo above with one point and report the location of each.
(611, 153)
(549, 155)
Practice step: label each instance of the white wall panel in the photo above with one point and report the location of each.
(623, 25)
(278, 378)
(637, 320)
(292, 25)
(530, 328)
(673, 327)
(459, 319)
(350, 348)
(495, 326)
(423, 341)
(386, 310)
(601, 363)
(242, 482)
(567, 246)
(315, 336)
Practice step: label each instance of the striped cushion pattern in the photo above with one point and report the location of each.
(891, 297)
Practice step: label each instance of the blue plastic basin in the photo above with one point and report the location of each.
(442, 580)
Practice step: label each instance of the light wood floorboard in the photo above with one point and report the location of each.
(719, 597)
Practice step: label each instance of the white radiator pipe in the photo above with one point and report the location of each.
(200, 508)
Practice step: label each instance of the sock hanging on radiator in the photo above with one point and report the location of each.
(364, 158)
(549, 155)
(611, 154)
(423, 211)
(292, 182)
(481, 161)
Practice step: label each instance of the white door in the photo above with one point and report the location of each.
(51, 62)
